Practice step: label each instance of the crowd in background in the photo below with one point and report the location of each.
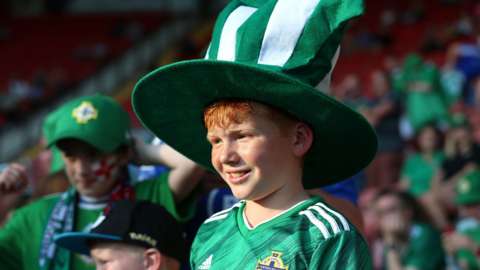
(427, 119)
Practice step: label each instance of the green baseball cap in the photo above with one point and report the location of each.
(278, 53)
(97, 120)
(468, 188)
(56, 163)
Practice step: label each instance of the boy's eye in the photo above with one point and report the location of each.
(214, 141)
(242, 136)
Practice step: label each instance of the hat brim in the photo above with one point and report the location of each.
(103, 146)
(170, 102)
(78, 242)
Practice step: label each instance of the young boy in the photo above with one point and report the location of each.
(92, 133)
(269, 134)
(134, 235)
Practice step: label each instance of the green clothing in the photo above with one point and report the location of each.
(470, 228)
(422, 107)
(424, 250)
(419, 172)
(20, 239)
(310, 235)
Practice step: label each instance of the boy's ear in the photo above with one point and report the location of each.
(302, 139)
(152, 259)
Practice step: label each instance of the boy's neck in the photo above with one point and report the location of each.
(258, 211)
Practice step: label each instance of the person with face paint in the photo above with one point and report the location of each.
(92, 134)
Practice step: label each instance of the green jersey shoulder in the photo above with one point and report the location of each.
(310, 235)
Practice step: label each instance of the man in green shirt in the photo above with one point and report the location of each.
(92, 133)
(269, 133)
(464, 243)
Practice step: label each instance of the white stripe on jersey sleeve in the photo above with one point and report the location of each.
(327, 217)
(342, 219)
(213, 218)
(221, 214)
(323, 229)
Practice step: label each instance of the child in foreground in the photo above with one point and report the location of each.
(269, 133)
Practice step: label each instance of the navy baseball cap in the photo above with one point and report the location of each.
(138, 223)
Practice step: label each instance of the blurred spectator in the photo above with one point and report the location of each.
(421, 164)
(383, 113)
(463, 245)
(419, 169)
(420, 86)
(452, 81)
(466, 56)
(349, 91)
(462, 155)
(409, 240)
(371, 232)
(473, 112)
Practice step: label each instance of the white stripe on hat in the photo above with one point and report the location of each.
(323, 229)
(207, 54)
(285, 26)
(228, 39)
(324, 85)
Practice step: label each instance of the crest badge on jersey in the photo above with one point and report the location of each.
(84, 113)
(272, 262)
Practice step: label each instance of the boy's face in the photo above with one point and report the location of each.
(252, 156)
(91, 172)
(112, 256)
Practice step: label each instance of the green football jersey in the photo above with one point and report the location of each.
(309, 235)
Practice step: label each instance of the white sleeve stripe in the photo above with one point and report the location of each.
(316, 222)
(216, 218)
(226, 210)
(284, 28)
(333, 223)
(228, 39)
(342, 219)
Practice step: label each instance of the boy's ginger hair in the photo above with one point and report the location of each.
(225, 112)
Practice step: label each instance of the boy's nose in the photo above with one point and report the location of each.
(84, 166)
(229, 154)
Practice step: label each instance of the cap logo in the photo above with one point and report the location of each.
(464, 186)
(84, 112)
(144, 238)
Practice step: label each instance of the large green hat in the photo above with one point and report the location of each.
(273, 52)
(468, 189)
(97, 120)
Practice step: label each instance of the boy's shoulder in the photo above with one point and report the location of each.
(323, 221)
(224, 215)
(314, 219)
(45, 203)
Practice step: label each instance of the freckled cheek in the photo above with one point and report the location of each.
(215, 159)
